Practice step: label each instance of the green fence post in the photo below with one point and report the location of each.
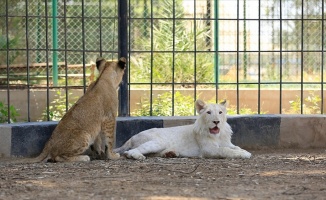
(216, 41)
(54, 43)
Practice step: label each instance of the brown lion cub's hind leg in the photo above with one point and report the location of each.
(80, 158)
(108, 128)
(72, 149)
(97, 149)
(98, 146)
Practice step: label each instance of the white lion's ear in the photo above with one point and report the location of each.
(200, 106)
(224, 103)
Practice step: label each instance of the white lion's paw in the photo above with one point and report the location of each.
(245, 154)
(135, 154)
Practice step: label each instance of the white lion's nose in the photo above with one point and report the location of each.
(216, 122)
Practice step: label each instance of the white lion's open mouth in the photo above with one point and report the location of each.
(214, 130)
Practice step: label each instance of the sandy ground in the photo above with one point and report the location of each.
(269, 174)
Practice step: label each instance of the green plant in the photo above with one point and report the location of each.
(58, 108)
(232, 109)
(13, 43)
(167, 67)
(311, 105)
(162, 105)
(183, 106)
(4, 113)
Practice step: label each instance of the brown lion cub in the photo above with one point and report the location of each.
(93, 114)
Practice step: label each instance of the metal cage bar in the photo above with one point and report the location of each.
(232, 44)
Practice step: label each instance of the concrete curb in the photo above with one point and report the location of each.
(250, 131)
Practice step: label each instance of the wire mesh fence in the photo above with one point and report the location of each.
(264, 57)
(81, 27)
(47, 54)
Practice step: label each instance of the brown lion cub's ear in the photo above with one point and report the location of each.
(100, 62)
(122, 62)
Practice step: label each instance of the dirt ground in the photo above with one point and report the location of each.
(269, 174)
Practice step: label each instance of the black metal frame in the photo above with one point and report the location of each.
(125, 49)
(238, 51)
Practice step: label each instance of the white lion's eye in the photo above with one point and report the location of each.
(220, 112)
(208, 112)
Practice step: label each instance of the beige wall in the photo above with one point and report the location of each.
(269, 99)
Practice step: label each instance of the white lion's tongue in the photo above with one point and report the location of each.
(214, 130)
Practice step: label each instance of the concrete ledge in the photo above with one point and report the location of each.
(303, 131)
(250, 131)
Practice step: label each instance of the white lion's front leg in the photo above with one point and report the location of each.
(143, 149)
(234, 153)
(245, 154)
(225, 152)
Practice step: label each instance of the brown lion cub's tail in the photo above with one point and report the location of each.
(39, 158)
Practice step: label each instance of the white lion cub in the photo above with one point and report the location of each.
(208, 137)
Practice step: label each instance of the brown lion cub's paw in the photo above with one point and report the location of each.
(113, 156)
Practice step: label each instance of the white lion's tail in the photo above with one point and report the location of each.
(126, 146)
